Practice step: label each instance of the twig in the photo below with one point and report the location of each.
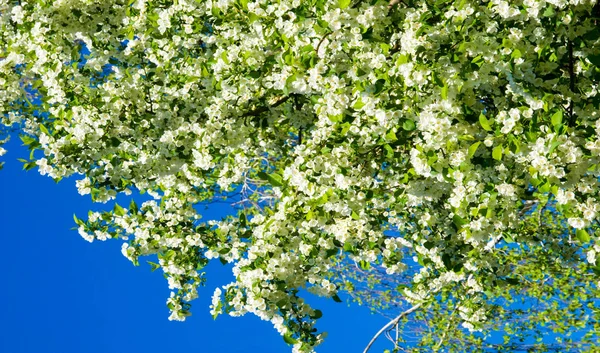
(389, 337)
(529, 204)
(258, 111)
(321, 42)
(540, 222)
(391, 323)
(571, 82)
(492, 244)
(394, 3)
(445, 333)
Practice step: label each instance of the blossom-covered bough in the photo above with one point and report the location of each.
(455, 141)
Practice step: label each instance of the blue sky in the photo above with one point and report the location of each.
(61, 294)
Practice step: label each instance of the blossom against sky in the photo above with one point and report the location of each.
(62, 294)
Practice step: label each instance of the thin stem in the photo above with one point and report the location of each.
(261, 110)
(445, 333)
(321, 42)
(571, 82)
(391, 323)
(394, 3)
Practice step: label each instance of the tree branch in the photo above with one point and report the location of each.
(258, 111)
(571, 122)
(445, 333)
(391, 323)
(394, 3)
(321, 42)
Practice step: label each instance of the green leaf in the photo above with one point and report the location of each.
(389, 151)
(378, 87)
(274, 179)
(335, 118)
(153, 266)
(348, 247)
(516, 54)
(385, 48)
(27, 140)
(458, 221)
(365, 265)
(473, 148)
(445, 91)
(336, 298)
(478, 60)
(549, 12)
(289, 81)
(358, 104)
(557, 118)
(114, 141)
(78, 221)
(44, 130)
(344, 3)
(436, 78)
(485, 123)
(289, 339)
(592, 35)
(402, 59)
(309, 215)
(594, 59)
(133, 207)
(355, 216)
(447, 260)
(118, 210)
(323, 199)
(345, 128)
(553, 147)
(582, 235)
(391, 136)
(497, 153)
(317, 314)
(243, 219)
(28, 166)
(263, 175)
(408, 125)
(466, 138)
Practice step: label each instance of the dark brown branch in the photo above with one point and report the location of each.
(321, 42)
(570, 113)
(258, 111)
(394, 3)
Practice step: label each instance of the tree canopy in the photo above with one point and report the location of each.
(443, 155)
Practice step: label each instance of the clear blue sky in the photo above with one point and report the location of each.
(61, 294)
